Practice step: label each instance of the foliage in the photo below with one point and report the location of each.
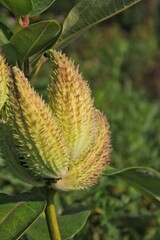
(13, 208)
(109, 60)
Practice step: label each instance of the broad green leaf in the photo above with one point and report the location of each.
(19, 7)
(34, 38)
(18, 213)
(144, 179)
(86, 14)
(40, 6)
(69, 225)
(9, 52)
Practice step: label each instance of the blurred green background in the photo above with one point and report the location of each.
(120, 59)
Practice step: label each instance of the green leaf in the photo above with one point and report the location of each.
(9, 52)
(3, 38)
(34, 38)
(144, 179)
(5, 30)
(69, 225)
(18, 213)
(38, 231)
(40, 6)
(86, 14)
(19, 7)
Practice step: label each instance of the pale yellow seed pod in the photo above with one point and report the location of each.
(36, 130)
(4, 78)
(86, 130)
(85, 171)
(65, 144)
(71, 102)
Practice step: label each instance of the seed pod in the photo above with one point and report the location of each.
(65, 144)
(88, 167)
(86, 130)
(4, 78)
(36, 130)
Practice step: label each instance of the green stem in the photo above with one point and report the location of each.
(26, 68)
(51, 216)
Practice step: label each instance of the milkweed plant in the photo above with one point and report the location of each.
(63, 144)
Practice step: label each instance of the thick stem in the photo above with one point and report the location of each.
(26, 68)
(51, 216)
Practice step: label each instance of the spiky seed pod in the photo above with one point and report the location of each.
(86, 130)
(87, 168)
(35, 128)
(4, 77)
(66, 142)
(71, 102)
